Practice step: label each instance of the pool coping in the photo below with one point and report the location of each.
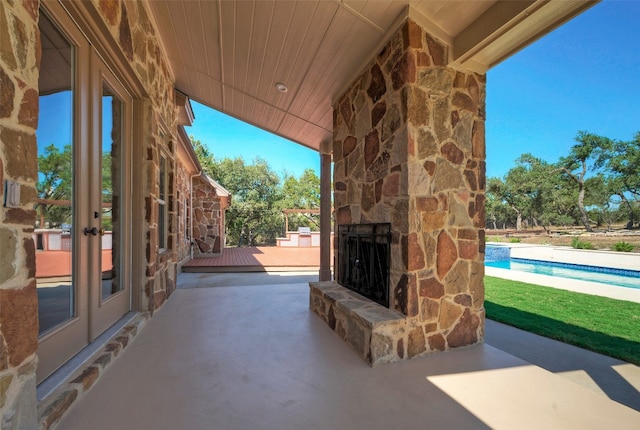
(567, 254)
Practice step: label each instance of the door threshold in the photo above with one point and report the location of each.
(62, 375)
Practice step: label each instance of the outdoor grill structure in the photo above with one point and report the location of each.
(363, 260)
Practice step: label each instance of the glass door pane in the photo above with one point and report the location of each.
(62, 253)
(55, 216)
(111, 159)
(110, 146)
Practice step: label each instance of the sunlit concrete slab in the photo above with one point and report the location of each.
(218, 356)
(528, 397)
(631, 374)
(618, 380)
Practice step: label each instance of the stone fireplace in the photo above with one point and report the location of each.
(409, 151)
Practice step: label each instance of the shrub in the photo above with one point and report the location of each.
(515, 240)
(622, 247)
(580, 244)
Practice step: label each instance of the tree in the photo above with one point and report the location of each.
(498, 214)
(598, 200)
(205, 157)
(588, 154)
(302, 193)
(523, 189)
(55, 185)
(624, 166)
(255, 216)
(504, 194)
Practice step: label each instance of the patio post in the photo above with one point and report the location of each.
(325, 212)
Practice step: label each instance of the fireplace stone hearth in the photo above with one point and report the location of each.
(369, 328)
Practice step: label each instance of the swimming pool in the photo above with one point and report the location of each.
(618, 277)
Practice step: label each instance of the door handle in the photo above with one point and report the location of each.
(87, 231)
(94, 231)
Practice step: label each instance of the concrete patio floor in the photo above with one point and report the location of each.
(243, 351)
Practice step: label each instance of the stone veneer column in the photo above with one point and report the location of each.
(409, 150)
(19, 57)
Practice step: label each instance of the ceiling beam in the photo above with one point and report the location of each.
(509, 26)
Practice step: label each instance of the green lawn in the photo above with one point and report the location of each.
(607, 326)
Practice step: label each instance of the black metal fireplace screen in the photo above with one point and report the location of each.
(364, 254)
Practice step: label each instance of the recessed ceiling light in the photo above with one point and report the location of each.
(281, 87)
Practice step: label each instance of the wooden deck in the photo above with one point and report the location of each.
(257, 259)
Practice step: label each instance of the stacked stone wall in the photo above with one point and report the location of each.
(207, 218)
(133, 31)
(409, 150)
(19, 61)
(183, 198)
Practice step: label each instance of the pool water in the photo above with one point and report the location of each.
(622, 278)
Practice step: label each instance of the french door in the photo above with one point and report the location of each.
(84, 176)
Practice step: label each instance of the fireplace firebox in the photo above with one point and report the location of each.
(364, 253)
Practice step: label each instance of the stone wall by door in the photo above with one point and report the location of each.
(409, 150)
(183, 210)
(130, 32)
(19, 56)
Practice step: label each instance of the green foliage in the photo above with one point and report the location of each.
(205, 157)
(515, 240)
(588, 154)
(253, 217)
(600, 324)
(597, 182)
(577, 243)
(301, 193)
(622, 247)
(624, 164)
(55, 183)
(259, 195)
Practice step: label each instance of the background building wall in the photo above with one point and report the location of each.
(208, 219)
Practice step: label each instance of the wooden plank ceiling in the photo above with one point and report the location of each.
(229, 55)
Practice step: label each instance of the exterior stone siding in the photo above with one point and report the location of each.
(208, 219)
(55, 405)
(132, 32)
(409, 150)
(19, 61)
(131, 27)
(183, 209)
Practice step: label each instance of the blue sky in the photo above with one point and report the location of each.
(228, 137)
(584, 75)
